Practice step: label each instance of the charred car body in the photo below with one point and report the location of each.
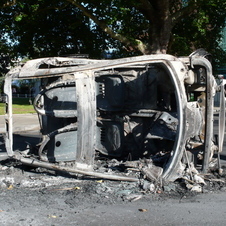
(156, 109)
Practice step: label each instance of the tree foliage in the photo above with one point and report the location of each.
(55, 27)
(38, 28)
(150, 26)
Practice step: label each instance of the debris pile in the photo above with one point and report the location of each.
(14, 175)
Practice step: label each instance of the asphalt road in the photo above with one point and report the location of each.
(55, 209)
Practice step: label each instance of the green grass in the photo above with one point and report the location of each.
(20, 106)
(2, 108)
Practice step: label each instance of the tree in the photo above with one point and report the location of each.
(148, 26)
(41, 28)
(51, 27)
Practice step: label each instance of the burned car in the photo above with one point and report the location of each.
(153, 113)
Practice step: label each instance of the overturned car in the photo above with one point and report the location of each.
(152, 113)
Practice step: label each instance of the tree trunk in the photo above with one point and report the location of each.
(160, 25)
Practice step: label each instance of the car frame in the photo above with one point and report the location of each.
(168, 97)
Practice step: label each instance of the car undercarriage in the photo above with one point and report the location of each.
(152, 113)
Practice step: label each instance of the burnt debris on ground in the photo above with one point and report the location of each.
(14, 175)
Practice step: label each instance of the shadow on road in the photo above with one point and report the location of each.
(20, 141)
